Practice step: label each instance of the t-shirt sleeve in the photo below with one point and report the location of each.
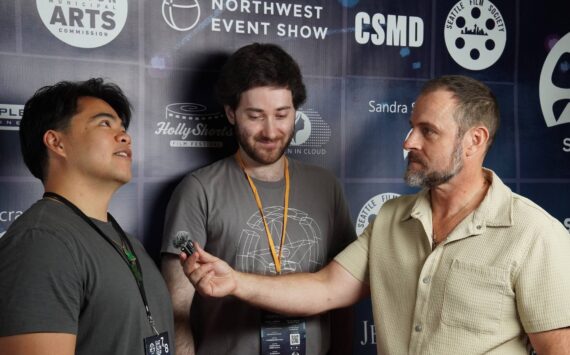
(40, 284)
(542, 287)
(186, 213)
(354, 258)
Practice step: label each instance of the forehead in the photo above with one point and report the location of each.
(89, 104)
(436, 107)
(266, 97)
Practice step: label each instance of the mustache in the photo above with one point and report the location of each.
(414, 157)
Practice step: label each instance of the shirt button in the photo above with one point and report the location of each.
(478, 226)
(418, 328)
(426, 279)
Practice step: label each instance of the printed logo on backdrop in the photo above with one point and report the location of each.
(85, 23)
(10, 116)
(192, 125)
(389, 30)
(370, 210)
(264, 18)
(554, 97)
(312, 133)
(181, 15)
(475, 34)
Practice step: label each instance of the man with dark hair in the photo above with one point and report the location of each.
(465, 266)
(71, 280)
(261, 212)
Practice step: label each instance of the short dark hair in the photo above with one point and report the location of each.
(476, 103)
(258, 65)
(52, 107)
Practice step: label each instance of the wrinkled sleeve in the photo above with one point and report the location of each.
(542, 287)
(186, 213)
(354, 258)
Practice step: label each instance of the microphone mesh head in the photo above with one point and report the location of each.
(181, 239)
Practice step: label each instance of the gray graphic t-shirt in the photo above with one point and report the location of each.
(216, 207)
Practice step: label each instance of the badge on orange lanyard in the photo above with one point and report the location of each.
(276, 257)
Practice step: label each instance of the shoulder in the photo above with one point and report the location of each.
(401, 204)
(311, 172)
(220, 169)
(48, 216)
(529, 215)
(216, 173)
(46, 236)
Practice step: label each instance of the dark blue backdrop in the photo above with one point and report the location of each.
(363, 60)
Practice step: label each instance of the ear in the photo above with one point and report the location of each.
(230, 114)
(53, 142)
(475, 140)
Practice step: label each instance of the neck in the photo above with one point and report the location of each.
(91, 200)
(263, 172)
(466, 189)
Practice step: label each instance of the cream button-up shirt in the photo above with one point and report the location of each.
(504, 271)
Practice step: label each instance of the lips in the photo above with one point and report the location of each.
(124, 153)
(414, 158)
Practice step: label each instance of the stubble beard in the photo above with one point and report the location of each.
(257, 156)
(425, 179)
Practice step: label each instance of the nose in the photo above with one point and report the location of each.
(124, 137)
(270, 128)
(410, 142)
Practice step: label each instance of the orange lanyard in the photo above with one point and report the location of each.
(276, 258)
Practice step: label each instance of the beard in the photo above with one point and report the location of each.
(429, 179)
(261, 156)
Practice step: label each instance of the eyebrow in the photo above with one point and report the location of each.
(104, 114)
(255, 109)
(425, 124)
(107, 115)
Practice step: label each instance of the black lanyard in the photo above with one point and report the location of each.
(126, 252)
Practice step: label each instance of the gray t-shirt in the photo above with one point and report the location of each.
(57, 274)
(215, 205)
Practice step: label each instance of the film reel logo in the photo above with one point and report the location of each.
(370, 210)
(475, 35)
(551, 92)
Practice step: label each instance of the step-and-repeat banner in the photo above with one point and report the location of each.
(364, 62)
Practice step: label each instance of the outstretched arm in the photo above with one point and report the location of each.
(294, 294)
(551, 342)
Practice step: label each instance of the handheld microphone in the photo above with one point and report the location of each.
(183, 242)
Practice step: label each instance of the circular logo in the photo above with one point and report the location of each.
(370, 210)
(302, 129)
(190, 111)
(475, 35)
(181, 15)
(550, 93)
(84, 24)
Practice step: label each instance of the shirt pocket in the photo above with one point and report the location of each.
(474, 297)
